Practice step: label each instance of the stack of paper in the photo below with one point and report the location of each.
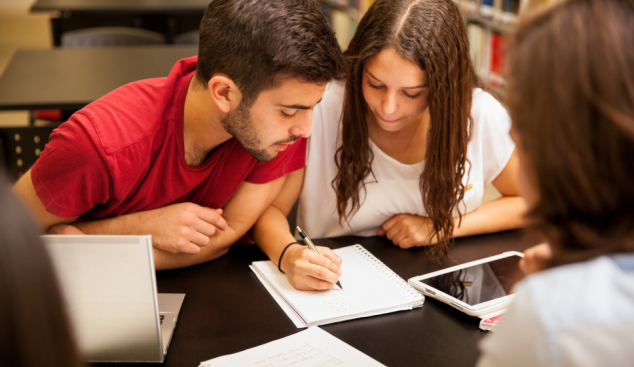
(310, 348)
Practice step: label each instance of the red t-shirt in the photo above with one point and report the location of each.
(124, 153)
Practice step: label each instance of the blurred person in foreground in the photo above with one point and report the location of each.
(571, 100)
(34, 328)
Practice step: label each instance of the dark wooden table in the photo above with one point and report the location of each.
(169, 17)
(70, 78)
(227, 310)
(120, 6)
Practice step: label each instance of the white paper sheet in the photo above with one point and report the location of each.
(309, 348)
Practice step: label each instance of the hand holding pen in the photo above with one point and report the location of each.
(310, 244)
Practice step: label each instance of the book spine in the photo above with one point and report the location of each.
(495, 71)
(474, 31)
(486, 9)
(343, 27)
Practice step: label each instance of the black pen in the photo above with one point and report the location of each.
(312, 246)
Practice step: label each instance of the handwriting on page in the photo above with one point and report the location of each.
(304, 355)
(338, 305)
(309, 348)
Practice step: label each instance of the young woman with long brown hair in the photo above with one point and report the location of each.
(402, 148)
(571, 98)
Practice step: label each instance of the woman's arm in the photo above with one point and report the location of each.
(304, 268)
(507, 212)
(500, 214)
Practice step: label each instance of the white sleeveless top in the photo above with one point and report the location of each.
(396, 188)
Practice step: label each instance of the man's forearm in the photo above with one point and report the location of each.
(217, 247)
(136, 224)
(127, 224)
(187, 233)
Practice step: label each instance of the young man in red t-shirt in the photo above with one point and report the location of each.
(194, 158)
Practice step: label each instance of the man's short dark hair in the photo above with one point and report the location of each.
(254, 42)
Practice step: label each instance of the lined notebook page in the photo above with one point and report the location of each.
(311, 348)
(369, 287)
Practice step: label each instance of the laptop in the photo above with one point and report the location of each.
(109, 286)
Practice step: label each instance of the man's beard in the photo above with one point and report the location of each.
(239, 124)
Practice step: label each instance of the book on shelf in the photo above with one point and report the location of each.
(363, 5)
(468, 6)
(344, 26)
(369, 288)
(343, 16)
(509, 11)
(502, 12)
(487, 8)
(487, 53)
(499, 11)
(476, 45)
(497, 57)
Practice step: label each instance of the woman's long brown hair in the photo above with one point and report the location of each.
(431, 34)
(571, 98)
(34, 328)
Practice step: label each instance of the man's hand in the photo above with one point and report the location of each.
(536, 258)
(183, 227)
(307, 270)
(407, 230)
(64, 229)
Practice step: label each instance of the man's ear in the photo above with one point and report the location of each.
(224, 92)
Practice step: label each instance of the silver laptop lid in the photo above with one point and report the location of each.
(169, 308)
(110, 290)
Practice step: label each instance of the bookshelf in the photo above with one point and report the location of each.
(503, 28)
(488, 22)
(344, 16)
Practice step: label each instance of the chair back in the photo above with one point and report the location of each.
(187, 38)
(20, 147)
(111, 36)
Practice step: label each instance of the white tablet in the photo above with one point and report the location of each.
(477, 288)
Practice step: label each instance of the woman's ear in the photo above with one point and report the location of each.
(224, 92)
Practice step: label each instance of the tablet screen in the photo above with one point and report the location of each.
(480, 283)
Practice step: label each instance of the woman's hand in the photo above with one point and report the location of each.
(307, 270)
(408, 230)
(536, 258)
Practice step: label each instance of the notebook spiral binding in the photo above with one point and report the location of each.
(389, 272)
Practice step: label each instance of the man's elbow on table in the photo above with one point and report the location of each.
(25, 191)
(166, 261)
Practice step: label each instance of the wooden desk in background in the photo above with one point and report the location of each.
(168, 17)
(68, 79)
(71, 78)
(227, 310)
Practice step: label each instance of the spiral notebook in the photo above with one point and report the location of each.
(370, 288)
